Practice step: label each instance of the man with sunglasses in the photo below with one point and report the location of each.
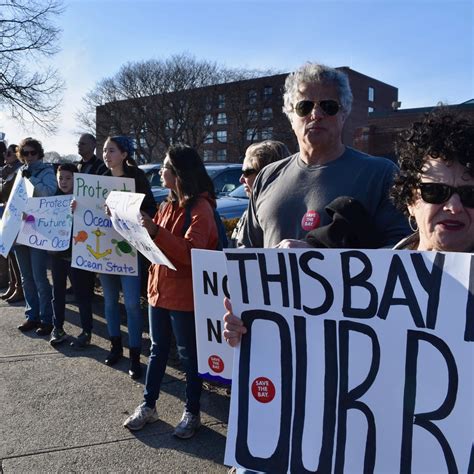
(290, 196)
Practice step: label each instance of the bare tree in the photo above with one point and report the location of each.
(27, 35)
(158, 102)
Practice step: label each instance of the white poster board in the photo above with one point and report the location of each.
(12, 216)
(97, 246)
(354, 361)
(215, 356)
(48, 223)
(125, 210)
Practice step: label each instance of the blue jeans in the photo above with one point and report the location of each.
(162, 322)
(130, 285)
(83, 286)
(33, 264)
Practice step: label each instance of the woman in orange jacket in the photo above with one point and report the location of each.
(170, 293)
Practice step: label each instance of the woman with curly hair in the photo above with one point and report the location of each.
(435, 185)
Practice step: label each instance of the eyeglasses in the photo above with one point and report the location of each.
(328, 106)
(27, 153)
(248, 172)
(438, 193)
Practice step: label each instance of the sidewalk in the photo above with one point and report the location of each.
(61, 410)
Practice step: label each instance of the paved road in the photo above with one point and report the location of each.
(62, 409)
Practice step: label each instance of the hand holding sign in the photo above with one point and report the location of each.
(233, 326)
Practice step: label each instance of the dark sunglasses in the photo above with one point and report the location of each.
(249, 172)
(437, 193)
(328, 106)
(27, 153)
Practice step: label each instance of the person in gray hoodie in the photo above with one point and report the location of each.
(33, 262)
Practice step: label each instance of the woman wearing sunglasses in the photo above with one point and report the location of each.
(257, 156)
(435, 186)
(33, 262)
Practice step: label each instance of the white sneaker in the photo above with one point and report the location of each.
(188, 425)
(140, 417)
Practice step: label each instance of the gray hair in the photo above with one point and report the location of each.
(319, 74)
(263, 153)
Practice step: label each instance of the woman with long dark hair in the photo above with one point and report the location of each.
(117, 154)
(170, 294)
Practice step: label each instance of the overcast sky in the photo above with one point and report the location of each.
(425, 48)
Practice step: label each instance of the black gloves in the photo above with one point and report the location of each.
(26, 173)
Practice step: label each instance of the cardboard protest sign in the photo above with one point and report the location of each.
(215, 356)
(12, 216)
(125, 209)
(48, 223)
(97, 246)
(354, 361)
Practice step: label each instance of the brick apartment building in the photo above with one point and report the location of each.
(227, 118)
(379, 135)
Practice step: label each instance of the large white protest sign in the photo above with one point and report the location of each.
(12, 216)
(125, 209)
(97, 246)
(215, 356)
(48, 223)
(354, 361)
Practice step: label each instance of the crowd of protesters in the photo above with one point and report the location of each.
(326, 195)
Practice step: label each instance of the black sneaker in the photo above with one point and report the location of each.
(57, 337)
(44, 329)
(28, 325)
(81, 341)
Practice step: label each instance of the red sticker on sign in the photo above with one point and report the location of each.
(310, 220)
(216, 364)
(263, 390)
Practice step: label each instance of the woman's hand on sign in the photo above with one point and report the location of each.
(292, 244)
(147, 222)
(233, 326)
(73, 205)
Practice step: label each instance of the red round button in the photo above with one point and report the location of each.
(216, 364)
(310, 220)
(263, 390)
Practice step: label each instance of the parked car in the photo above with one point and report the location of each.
(234, 204)
(225, 176)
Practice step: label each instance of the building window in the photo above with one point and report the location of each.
(221, 155)
(251, 134)
(267, 92)
(371, 94)
(267, 133)
(222, 119)
(371, 109)
(252, 115)
(252, 97)
(222, 136)
(208, 155)
(170, 124)
(267, 113)
(209, 138)
(208, 120)
(221, 101)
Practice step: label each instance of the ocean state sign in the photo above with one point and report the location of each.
(48, 223)
(126, 216)
(97, 246)
(354, 361)
(215, 356)
(12, 216)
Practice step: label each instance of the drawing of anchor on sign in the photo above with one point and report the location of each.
(97, 253)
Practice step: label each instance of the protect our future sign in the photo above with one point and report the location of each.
(48, 223)
(96, 245)
(354, 361)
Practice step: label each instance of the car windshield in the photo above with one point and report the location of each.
(239, 192)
